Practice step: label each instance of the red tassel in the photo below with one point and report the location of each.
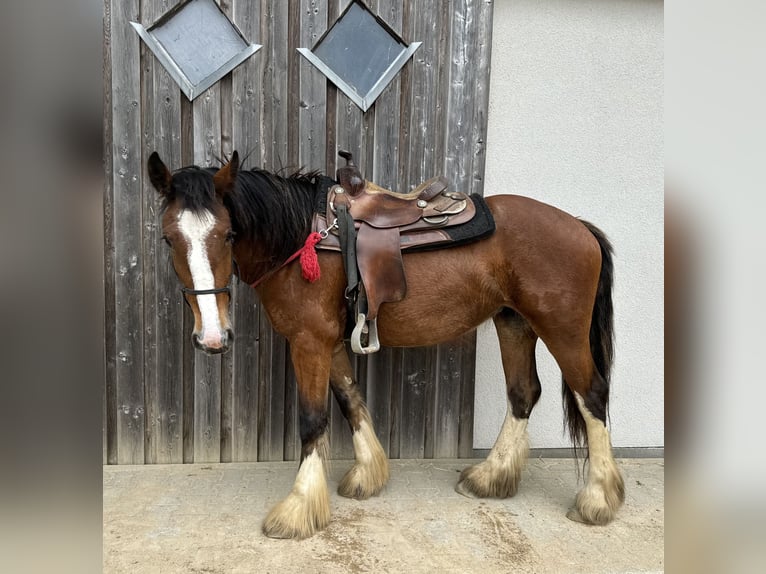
(309, 260)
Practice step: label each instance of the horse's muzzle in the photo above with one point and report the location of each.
(214, 346)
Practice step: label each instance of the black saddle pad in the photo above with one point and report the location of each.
(481, 226)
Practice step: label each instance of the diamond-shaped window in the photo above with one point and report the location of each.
(197, 44)
(360, 54)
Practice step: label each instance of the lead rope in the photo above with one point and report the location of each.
(308, 257)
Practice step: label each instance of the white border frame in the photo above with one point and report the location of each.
(187, 87)
(366, 100)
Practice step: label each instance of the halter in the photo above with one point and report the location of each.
(188, 291)
(226, 289)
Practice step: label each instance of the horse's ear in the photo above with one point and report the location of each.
(226, 176)
(159, 174)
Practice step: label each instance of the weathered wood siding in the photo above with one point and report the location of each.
(165, 402)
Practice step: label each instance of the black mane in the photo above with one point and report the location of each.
(272, 210)
(264, 207)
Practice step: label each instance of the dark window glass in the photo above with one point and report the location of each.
(200, 39)
(358, 49)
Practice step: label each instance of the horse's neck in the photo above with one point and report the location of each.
(259, 256)
(252, 263)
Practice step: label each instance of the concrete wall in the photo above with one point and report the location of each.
(576, 120)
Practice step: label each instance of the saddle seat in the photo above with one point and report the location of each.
(386, 223)
(350, 179)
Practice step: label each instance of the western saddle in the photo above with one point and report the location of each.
(371, 226)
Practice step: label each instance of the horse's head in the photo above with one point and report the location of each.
(197, 227)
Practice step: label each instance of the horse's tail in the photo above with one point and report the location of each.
(601, 339)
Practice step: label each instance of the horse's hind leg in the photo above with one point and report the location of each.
(586, 396)
(498, 476)
(370, 471)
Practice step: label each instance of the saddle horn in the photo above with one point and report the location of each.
(349, 176)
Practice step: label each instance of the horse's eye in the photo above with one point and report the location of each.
(230, 236)
(166, 240)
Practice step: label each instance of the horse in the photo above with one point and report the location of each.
(542, 274)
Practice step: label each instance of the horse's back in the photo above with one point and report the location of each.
(537, 254)
(533, 217)
(540, 234)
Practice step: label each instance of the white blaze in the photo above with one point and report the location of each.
(195, 228)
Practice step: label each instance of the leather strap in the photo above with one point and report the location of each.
(188, 291)
(347, 237)
(432, 187)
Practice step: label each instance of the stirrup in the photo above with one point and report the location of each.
(373, 344)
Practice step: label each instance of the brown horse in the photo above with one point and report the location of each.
(542, 274)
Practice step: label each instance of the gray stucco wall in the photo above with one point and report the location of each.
(576, 120)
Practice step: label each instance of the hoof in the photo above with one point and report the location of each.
(369, 474)
(461, 488)
(597, 505)
(306, 509)
(361, 483)
(273, 529)
(498, 476)
(486, 480)
(574, 515)
(599, 519)
(594, 516)
(295, 518)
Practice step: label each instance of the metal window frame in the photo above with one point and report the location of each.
(364, 101)
(190, 89)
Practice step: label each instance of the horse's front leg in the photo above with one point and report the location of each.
(307, 508)
(370, 471)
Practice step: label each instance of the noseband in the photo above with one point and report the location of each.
(226, 289)
(188, 291)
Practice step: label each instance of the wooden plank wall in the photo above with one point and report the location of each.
(167, 403)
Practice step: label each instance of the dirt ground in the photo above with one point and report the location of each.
(207, 519)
